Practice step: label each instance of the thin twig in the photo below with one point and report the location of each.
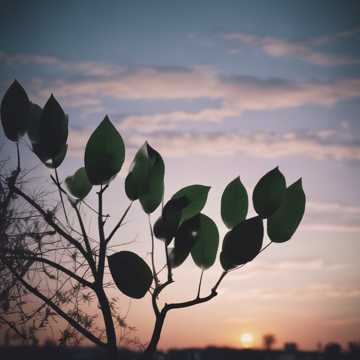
(61, 197)
(119, 223)
(200, 281)
(153, 253)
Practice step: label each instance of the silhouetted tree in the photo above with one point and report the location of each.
(269, 340)
(354, 350)
(65, 268)
(290, 347)
(332, 351)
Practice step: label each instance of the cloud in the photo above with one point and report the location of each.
(91, 84)
(88, 68)
(312, 292)
(326, 227)
(218, 143)
(239, 94)
(303, 50)
(332, 217)
(295, 265)
(260, 144)
(343, 321)
(334, 207)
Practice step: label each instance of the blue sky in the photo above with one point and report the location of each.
(220, 89)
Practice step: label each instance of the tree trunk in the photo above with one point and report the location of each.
(151, 349)
(111, 353)
(111, 348)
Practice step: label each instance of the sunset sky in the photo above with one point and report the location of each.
(221, 89)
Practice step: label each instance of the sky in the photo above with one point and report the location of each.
(220, 89)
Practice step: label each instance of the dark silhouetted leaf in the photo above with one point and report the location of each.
(196, 196)
(131, 274)
(153, 198)
(234, 203)
(145, 180)
(51, 163)
(78, 184)
(184, 241)
(33, 129)
(15, 111)
(206, 243)
(225, 262)
(166, 226)
(269, 192)
(283, 223)
(53, 130)
(104, 153)
(160, 229)
(137, 181)
(242, 243)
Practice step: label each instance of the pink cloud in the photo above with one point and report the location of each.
(303, 50)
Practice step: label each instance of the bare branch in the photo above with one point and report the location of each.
(49, 220)
(51, 304)
(119, 223)
(59, 267)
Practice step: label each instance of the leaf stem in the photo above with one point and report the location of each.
(156, 279)
(61, 197)
(200, 281)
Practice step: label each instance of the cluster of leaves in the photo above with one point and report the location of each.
(182, 226)
(46, 128)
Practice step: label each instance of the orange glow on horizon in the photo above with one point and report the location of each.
(247, 340)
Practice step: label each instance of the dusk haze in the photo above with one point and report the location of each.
(223, 90)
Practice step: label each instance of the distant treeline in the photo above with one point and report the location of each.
(330, 352)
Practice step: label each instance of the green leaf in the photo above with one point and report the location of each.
(206, 243)
(154, 195)
(34, 123)
(268, 193)
(166, 226)
(78, 184)
(15, 111)
(137, 181)
(225, 262)
(184, 241)
(196, 196)
(145, 180)
(153, 198)
(242, 243)
(130, 273)
(104, 153)
(160, 230)
(53, 162)
(282, 225)
(174, 260)
(234, 203)
(53, 129)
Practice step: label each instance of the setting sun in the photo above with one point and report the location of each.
(247, 339)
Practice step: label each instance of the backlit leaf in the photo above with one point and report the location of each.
(15, 111)
(184, 240)
(34, 123)
(130, 273)
(234, 203)
(242, 243)
(283, 223)
(145, 180)
(166, 226)
(104, 153)
(206, 243)
(268, 193)
(78, 184)
(196, 196)
(53, 162)
(53, 129)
